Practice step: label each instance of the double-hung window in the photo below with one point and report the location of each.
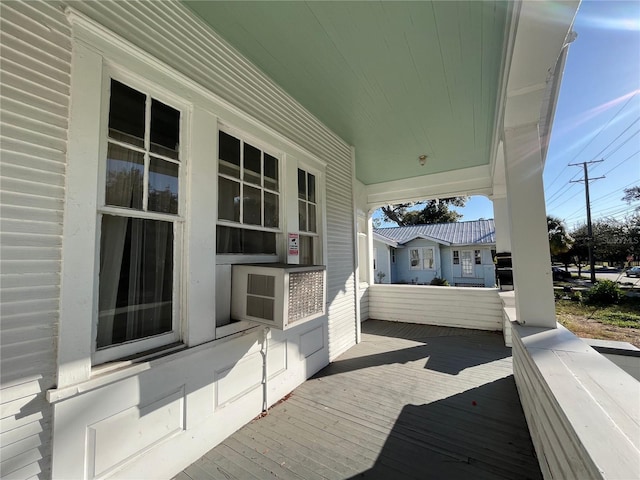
(421, 258)
(477, 255)
(248, 197)
(307, 216)
(140, 224)
(456, 257)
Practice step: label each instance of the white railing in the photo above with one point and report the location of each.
(581, 409)
(476, 308)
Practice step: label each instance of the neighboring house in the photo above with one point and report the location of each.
(460, 252)
(148, 147)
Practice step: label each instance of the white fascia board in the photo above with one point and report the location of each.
(538, 44)
(465, 181)
(385, 240)
(433, 239)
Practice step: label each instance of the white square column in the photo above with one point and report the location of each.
(527, 217)
(501, 219)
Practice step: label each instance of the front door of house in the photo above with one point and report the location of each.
(466, 262)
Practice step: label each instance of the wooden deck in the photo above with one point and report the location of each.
(410, 401)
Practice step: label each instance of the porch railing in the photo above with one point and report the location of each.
(476, 308)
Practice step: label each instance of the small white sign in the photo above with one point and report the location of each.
(294, 244)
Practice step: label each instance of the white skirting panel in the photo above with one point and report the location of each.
(582, 410)
(160, 416)
(476, 308)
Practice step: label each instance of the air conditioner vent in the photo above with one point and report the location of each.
(306, 294)
(278, 295)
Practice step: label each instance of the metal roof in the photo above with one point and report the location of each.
(474, 232)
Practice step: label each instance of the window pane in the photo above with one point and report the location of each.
(302, 216)
(126, 114)
(136, 279)
(428, 258)
(238, 240)
(165, 129)
(271, 217)
(306, 250)
(229, 155)
(252, 162)
(302, 184)
(312, 219)
(311, 180)
(228, 200)
(125, 177)
(252, 203)
(270, 172)
(414, 256)
(163, 186)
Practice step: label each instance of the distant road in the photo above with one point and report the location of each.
(613, 276)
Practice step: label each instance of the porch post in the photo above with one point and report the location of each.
(501, 219)
(532, 278)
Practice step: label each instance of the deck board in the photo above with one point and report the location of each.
(409, 401)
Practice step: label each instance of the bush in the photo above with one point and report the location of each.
(440, 282)
(604, 292)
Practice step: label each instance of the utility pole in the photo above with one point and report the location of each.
(592, 263)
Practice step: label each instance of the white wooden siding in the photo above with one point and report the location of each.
(581, 409)
(197, 52)
(36, 56)
(477, 308)
(36, 53)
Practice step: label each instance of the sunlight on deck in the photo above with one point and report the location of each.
(410, 401)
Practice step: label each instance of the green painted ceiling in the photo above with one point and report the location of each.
(394, 79)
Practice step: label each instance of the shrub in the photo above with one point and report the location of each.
(605, 292)
(440, 282)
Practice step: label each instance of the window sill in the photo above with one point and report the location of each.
(112, 372)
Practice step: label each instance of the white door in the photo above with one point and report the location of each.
(466, 262)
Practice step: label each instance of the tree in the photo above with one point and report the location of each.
(559, 239)
(560, 242)
(613, 240)
(632, 194)
(434, 211)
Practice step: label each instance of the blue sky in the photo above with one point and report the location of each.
(597, 117)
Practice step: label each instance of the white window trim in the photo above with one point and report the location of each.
(319, 235)
(117, 351)
(93, 48)
(266, 148)
(421, 258)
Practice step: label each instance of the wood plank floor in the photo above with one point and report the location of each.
(410, 401)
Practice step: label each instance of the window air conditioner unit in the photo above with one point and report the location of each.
(276, 294)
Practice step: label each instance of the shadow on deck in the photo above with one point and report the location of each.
(409, 401)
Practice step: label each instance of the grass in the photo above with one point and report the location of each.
(613, 322)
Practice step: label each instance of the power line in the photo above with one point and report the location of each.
(572, 214)
(560, 192)
(593, 138)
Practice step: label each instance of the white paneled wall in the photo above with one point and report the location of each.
(477, 308)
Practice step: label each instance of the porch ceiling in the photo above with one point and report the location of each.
(394, 79)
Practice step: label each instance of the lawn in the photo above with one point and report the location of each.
(613, 322)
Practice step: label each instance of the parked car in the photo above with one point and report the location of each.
(560, 274)
(633, 272)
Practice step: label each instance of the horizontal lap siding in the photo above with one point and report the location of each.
(200, 54)
(36, 55)
(446, 306)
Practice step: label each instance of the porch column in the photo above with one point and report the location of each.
(532, 278)
(501, 219)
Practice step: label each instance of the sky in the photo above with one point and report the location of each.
(597, 118)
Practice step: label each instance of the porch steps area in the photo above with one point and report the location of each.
(409, 401)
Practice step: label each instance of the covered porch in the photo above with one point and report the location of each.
(409, 401)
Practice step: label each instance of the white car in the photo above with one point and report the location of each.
(633, 272)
